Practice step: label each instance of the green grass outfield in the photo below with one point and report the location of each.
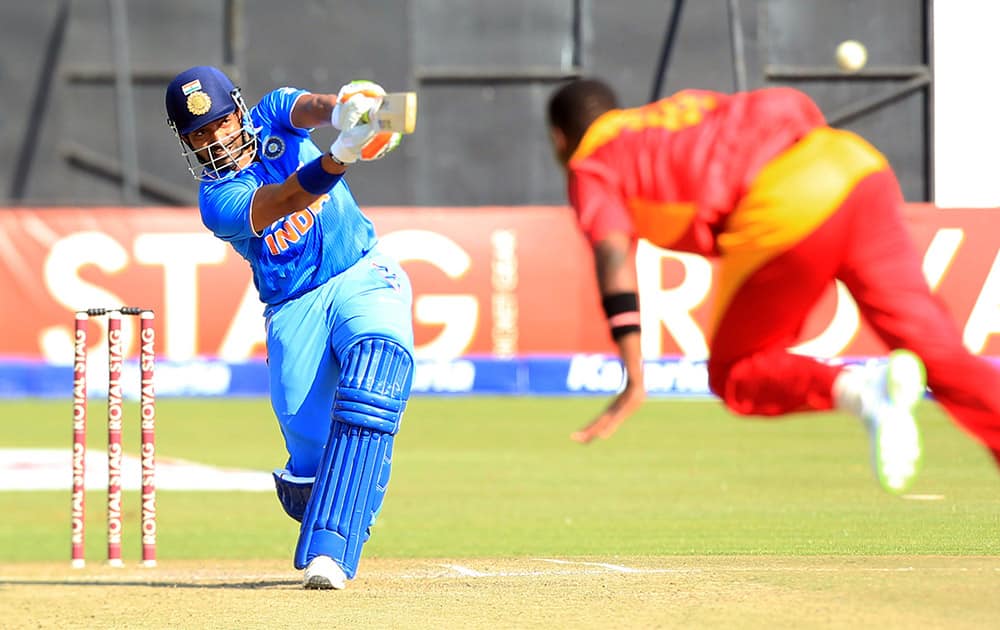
(499, 477)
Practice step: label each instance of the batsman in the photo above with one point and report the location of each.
(337, 311)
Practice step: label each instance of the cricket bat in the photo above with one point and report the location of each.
(398, 112)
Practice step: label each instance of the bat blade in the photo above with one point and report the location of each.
(398, 112)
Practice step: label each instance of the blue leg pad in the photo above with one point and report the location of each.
(353, 472)
(293, 492)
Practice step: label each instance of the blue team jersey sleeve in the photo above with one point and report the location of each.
(276, 108)
(225, 207)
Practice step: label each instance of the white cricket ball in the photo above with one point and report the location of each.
(851, 55)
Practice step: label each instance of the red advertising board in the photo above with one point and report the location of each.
(496, 281)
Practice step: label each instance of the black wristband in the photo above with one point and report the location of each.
(618, 303)
(622, 311)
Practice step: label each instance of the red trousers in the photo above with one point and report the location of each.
(847, 205)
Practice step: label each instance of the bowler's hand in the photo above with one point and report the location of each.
(623, 406)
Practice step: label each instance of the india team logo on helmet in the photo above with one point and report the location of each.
(199, 103)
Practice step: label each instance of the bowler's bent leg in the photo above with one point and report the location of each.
(750, 367)
(781, 250)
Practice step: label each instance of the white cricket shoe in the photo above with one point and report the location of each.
(887, 411)
(324, 573)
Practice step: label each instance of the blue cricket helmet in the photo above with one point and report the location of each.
(198, 96)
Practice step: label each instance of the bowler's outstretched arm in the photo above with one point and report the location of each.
(614, 260)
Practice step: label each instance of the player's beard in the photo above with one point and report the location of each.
(224, 157)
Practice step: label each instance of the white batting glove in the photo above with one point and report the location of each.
(354, 101)
(350, 144)
(380, 144)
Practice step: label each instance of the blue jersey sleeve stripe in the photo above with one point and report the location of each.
(275, 110)
(291, 125)
(250, 216)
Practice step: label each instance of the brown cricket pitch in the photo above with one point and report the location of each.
(648, 592)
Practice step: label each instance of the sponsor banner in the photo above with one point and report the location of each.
(581, 374)
(501, 282)
(190, 378)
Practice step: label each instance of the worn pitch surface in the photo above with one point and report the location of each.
(646, 592)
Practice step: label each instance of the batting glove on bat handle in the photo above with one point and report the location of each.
(354, 102)
(380, 144)
(349, 145)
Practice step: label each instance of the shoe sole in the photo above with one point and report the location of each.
(323, 574)
(906, 380)
(322, 583)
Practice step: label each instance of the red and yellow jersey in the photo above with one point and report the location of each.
(672, 171)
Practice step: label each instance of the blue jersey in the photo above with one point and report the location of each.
(304, 249)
